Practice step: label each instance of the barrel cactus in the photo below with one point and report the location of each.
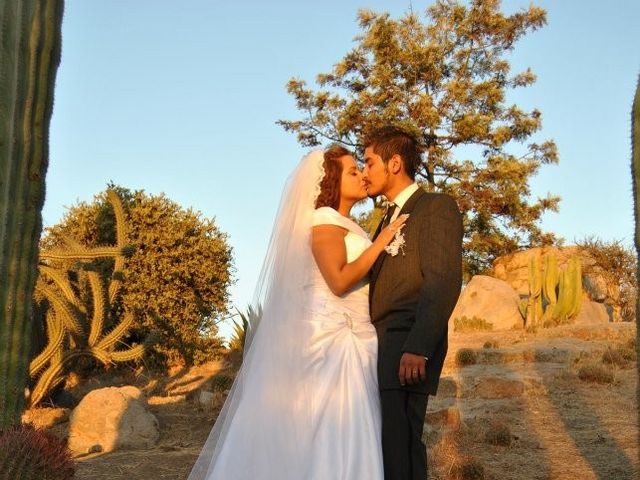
(28, 453)
(29, 58)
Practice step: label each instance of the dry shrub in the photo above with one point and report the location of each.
(596, 372)
(470, 469)
(491, 344)
(621, 356)
(466, 356)
(473, 324)
(498, 433)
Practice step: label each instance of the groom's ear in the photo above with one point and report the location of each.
(395, 164)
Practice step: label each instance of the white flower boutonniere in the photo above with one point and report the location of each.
(397, 245)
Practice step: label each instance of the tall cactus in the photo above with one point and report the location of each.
(30, 42)
(635, 175)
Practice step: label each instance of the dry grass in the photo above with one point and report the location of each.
(596, 372)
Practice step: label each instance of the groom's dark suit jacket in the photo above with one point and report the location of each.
(412, 296)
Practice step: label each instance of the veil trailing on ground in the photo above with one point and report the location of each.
(265, 422)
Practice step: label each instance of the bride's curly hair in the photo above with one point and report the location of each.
(331, 182)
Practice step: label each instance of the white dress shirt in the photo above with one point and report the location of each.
(402, 198)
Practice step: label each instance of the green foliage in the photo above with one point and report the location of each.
(473, 324)
(29, 57)
(445, 78)
(76, 319)
(28, 453)
(562, 292)
(179, 273)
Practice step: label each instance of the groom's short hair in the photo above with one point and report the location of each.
(389, 141)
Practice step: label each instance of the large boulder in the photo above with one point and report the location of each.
(591, 313)
(490, 299)
(112, 418)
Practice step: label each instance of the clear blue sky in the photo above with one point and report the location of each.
(182, 98)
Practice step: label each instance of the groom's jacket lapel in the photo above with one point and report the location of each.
(407, 208)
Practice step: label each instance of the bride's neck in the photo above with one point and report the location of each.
(345, 208)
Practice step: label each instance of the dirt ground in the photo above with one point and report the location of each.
(556, 426)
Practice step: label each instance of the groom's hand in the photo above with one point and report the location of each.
(412, 369)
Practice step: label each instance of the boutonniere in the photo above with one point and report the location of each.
(396, 245)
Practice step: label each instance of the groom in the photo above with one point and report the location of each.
(412, 294)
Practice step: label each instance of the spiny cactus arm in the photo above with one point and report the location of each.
(121, 239)
(99, 307)
(85, 254)
(55, 334)
(63, 309)
(109, 341)
(61, 281)
(134, 353)
(102, 355)
(52, 376)
(118, 210)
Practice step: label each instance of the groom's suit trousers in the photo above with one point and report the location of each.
(404, 454)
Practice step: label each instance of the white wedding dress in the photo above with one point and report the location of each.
(305, 404)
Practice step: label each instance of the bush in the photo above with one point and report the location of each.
(28, 453)
(466, 356)
(473, 324)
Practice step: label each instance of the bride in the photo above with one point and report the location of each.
(305, 403)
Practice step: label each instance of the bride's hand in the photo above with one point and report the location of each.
(388, 233)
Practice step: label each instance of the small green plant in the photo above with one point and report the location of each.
(466, 356)
(473, 324)
(28, 453)
(596, 373)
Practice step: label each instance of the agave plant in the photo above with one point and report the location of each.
(240, 328)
